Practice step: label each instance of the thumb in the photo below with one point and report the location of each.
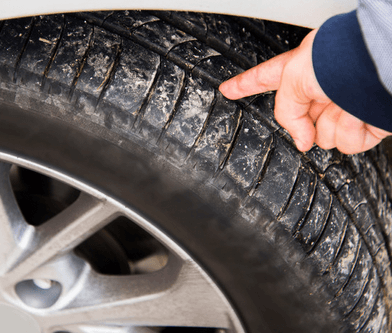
(261, 78)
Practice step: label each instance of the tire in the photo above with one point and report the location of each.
(127, 103)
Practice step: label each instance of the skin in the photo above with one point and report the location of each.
(301, 106)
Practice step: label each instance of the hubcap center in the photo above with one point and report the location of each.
(14, 320)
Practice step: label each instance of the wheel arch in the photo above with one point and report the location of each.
(307, 13)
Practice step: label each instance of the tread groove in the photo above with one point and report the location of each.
(109, 75)
(310, 201)
(82, 63)
(341, 290)
(317, 241)
(198, 138)
(175, 108)
(179, 44)
(147, 99)
(53, 55)
(339, 249)
(263, 170)
(311, 204)
(232, 145)
(19, 58)
(362, 292)
(368, 319)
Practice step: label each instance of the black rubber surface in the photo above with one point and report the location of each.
(147, 82)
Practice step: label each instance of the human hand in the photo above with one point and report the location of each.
(301, 106)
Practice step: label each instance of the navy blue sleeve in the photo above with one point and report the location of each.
(346, 73)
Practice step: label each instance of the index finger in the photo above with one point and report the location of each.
(261, 78)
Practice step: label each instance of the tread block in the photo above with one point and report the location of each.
(384, 167)
(39, 51)
(300, 200)
(248, 155)
(69, 57)
(239, 40)
(369, 176)
(355, 162)
(351, 196)
(384, 269)
(374, 239)
(322, 159)
(355, 287)
(194, 51)
(163, 35)
(384, 325)
(280, 175)
(341, 270)
(376, 322)
(134, 76)
(253, 31)
(220, 28)
(214, 144)
(97, 18)
(264, 105)
(247, 46)
(128, 21)
(317, 218)
(189, 119)
(364, 218)
(336, 176)
(162, 102)
(386, 278)
(328, 246)
(13, 37)
(362, 310)
(384, 212)
(193, 20)
(219, 68)
(100, 60)
(95, 74)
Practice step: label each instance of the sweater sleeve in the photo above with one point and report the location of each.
(347, 72)
(375, 20)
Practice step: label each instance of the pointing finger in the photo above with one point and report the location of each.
(261, 78)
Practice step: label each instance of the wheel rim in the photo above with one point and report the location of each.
(47, 275)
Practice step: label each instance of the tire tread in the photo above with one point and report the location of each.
(336, 208)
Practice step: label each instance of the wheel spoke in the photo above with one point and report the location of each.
(63, 232)
(177, 295)
(15, 233)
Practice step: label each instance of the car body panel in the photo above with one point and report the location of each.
(308, 13)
